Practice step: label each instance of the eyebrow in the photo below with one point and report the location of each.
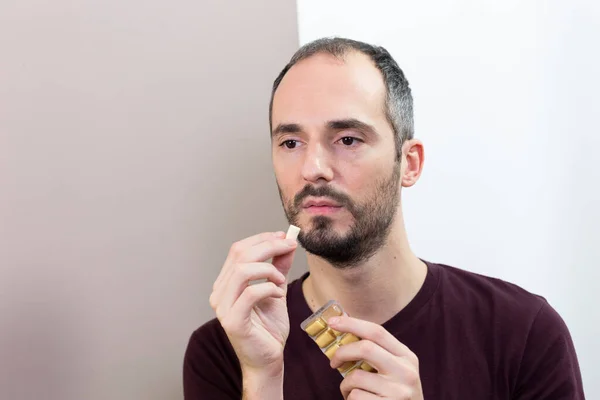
(286, 128)
(351, 123)
(335, 125)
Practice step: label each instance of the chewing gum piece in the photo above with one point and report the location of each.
(346, 367)
(349, 338)
(316, 327)
(331, 350)
(366, 367)
(292, 232)
(325, 338)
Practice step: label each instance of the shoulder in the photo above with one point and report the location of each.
(549, 368)
(524, 324)
(210, 364)
(210, 331)
(477, 291)
(528, 332)
(503, 302)
(210, 340)
(497, 313)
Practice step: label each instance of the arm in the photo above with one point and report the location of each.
(211, 370)
(549, 368)
(265, 384)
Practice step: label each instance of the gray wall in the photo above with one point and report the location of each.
(134, 150)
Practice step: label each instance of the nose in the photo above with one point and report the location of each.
(317, 164)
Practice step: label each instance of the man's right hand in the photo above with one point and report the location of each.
(255, 317)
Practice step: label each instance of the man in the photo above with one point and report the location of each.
(343, 149)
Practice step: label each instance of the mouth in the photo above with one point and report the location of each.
(321, 206)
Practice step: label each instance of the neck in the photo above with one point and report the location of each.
(375, 290)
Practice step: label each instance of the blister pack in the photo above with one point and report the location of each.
(328, 339)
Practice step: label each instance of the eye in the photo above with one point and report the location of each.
(290, 144)
(349, 140)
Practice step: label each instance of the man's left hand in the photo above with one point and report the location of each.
(397, 375)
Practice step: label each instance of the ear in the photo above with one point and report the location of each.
(413, 157)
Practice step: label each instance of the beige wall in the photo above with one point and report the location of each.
(134, 149)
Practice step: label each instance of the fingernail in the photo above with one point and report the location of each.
(334, 320)
(280, 234)
(290, 242)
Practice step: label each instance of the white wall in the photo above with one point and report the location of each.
(134, 149)
(505, 95)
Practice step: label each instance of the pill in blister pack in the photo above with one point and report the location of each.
(329, 340)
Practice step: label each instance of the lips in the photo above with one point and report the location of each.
(320, 203)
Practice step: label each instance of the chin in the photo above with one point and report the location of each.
(329, 225)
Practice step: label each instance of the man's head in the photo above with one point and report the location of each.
(342, 128)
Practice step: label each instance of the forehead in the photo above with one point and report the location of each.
(323, 87)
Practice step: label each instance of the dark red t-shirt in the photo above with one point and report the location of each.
(476, 338)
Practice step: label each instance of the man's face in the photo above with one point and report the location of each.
(334, 156)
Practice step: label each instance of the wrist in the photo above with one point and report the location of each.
(263, 383)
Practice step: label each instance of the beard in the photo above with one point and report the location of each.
(368, 233)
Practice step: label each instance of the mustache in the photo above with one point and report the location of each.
(323, 191)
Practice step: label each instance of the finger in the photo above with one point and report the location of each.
(253, 294)
(382, 360)
(266, 250)
(365, 381)
(260, 237)
(359, 394)
(361, 380)
(238, 248)
(373, 332)
(283, 264)
(242, 274)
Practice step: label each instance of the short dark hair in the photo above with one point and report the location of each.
(398, 101)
